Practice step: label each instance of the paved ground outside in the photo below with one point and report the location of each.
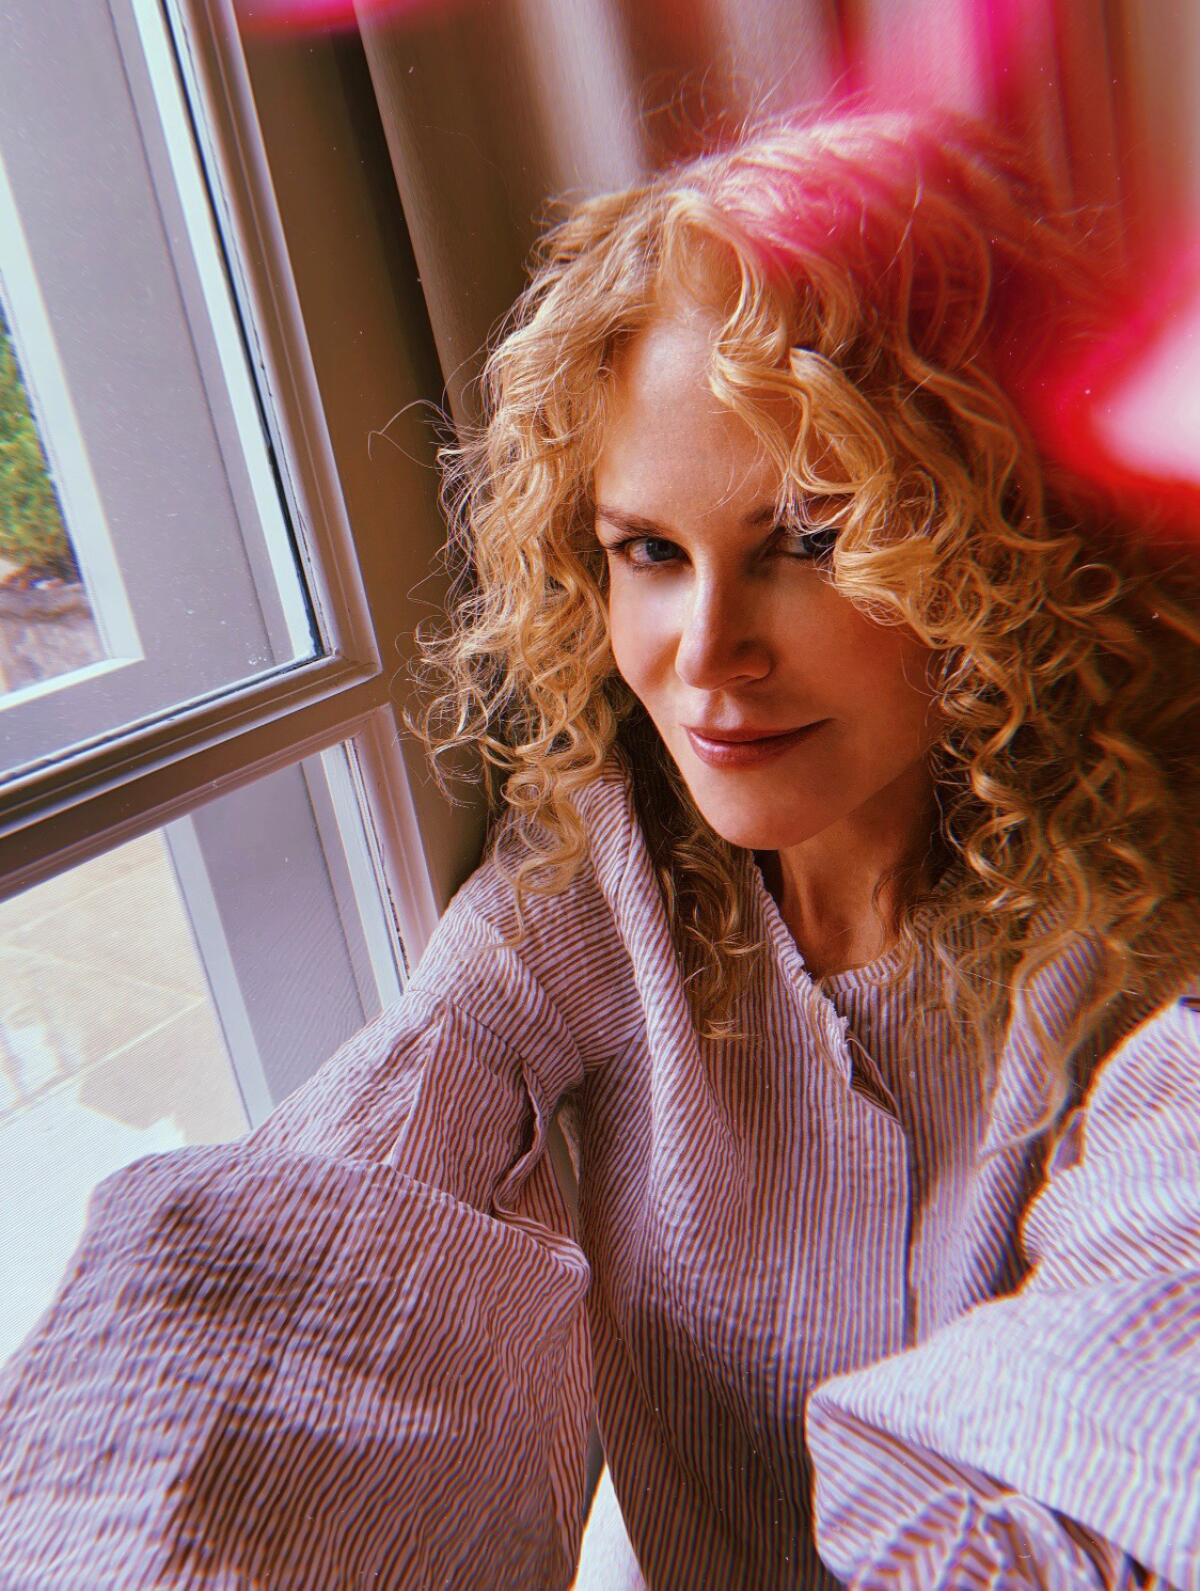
(109, 1050)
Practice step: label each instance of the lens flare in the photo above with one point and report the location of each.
(1127, 414)
(328, 16)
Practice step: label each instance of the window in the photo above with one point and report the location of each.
(143, 1006)
(215, 853)
(128, 348)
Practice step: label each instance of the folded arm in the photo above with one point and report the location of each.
(349, 1350)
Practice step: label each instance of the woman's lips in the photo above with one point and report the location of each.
(748, 753)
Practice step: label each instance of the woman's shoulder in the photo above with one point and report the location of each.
(606, 810)
(573, 941)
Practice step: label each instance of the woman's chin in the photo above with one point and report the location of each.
(751, 830)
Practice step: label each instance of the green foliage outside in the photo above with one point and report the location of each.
(32, 533)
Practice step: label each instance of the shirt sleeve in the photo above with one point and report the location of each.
(1050, 1439)
(347, 1351)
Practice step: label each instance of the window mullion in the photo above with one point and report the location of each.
(77, 808)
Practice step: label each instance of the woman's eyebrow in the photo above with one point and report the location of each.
(639, 525)
(620, 520)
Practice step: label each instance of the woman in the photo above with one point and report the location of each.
(843, 745)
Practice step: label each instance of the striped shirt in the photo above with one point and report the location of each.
(364, 1346)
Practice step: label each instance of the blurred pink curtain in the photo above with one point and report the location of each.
(493, 107)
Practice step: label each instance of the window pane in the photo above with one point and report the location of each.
(110, 1049)
(137, 446)
(46, 623)
(172, 992)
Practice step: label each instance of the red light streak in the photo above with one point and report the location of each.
(326, 16)
(1127, 414)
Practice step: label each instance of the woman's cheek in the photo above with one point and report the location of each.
(639, 629)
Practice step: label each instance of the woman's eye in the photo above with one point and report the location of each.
(643, 552)
(652, 552)
(816, 544)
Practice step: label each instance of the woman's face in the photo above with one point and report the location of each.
(724, 627)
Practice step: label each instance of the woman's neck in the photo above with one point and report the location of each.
(841, 893)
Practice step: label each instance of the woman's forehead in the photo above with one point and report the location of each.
(673, 350)
(666, 410)
(669, 440)
(681, 351)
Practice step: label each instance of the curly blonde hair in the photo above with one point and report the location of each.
(897, 280)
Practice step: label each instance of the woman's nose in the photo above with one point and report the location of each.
(719, 639)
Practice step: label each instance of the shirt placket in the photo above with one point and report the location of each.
(882, 1179)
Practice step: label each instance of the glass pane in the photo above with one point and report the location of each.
(110, 1049)
(148, 555)
(172, 992)
(46, 621)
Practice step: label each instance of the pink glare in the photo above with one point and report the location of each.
(1152, 417)
(1127, 415)
(1008, 33)
(314, 16)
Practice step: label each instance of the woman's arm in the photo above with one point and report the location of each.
(347, 1351)
(1049, 1439)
